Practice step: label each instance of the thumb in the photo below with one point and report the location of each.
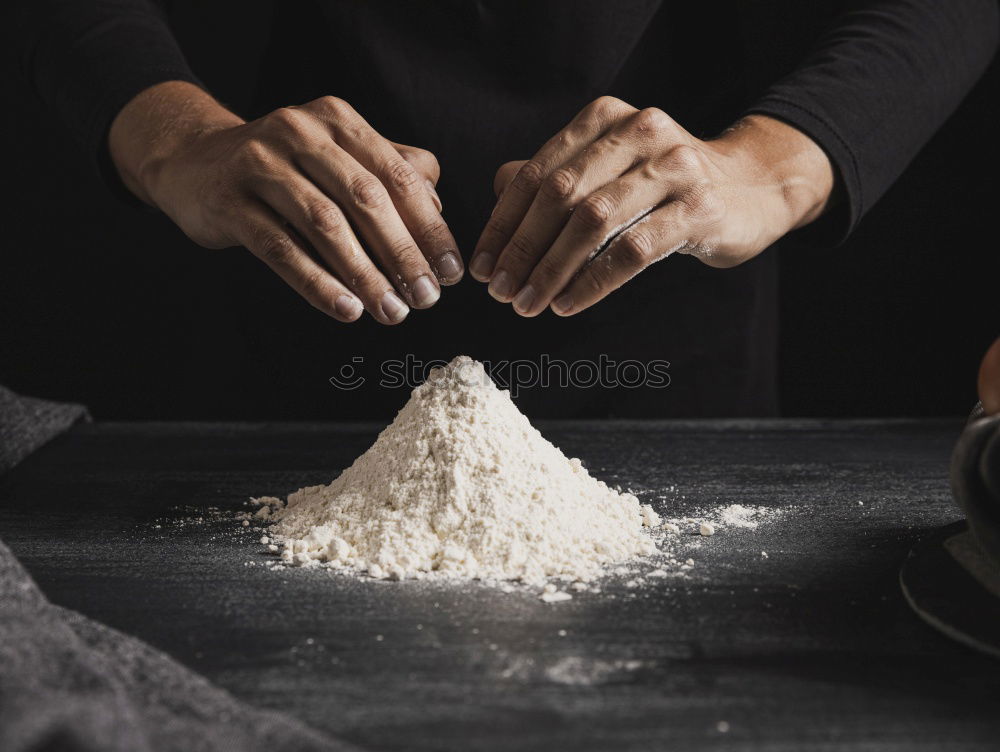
(505, 174)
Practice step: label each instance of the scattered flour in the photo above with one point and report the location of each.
(580, 670)
(460, 485)
(737, 515)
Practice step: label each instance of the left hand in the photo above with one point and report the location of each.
(619, 189)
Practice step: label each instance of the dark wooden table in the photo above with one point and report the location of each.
(811, 648)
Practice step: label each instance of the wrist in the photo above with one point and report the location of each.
(155, 126)
(793, 174)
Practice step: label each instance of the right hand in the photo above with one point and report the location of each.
(302, 188)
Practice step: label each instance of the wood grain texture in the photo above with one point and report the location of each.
(812, 648)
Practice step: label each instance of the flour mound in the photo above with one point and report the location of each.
(460, 485)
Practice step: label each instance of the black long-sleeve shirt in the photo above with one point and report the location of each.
(480, 83)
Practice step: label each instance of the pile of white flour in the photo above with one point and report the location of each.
(460, 485)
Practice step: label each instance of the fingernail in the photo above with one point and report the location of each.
(482, 266)
(393, 308)
(501, 286)
(425, 292)
(562, 304)
(525, 299)
(434, 196)
(348, 307)
(449, 268)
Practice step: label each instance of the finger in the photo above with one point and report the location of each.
(366, 202)
(414, 235)
(505, 174)
(427, 165)
(322, 223)
(415, 204)
(652, 238)
(557, 202)
(422, 160)
(596, 221)
(513, 204)
(261, 231)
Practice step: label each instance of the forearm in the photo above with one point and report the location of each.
(154, 124)
(878, 86)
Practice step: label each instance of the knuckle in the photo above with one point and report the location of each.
(606, 106)
(423, 156)
(560, 185)
(547, 270)
(403, 251)
(498, 225)
(684, 158)
(366, 279)
(312, 283)
(367, 192)
(529, 177)
(285, 117)
(334, 106)
(651, 120)
(520, 249)
(324, 216)
(273, 247)
(402, 178)
(432, 231)
(593, 279)
(635, 247)
(595, 211)
(651, 171)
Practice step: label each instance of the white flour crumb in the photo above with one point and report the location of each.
(706, 529)
(649, 517)
(555, 597)
(460, 485)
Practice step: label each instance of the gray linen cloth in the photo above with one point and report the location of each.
(70, 684)
(26, 423)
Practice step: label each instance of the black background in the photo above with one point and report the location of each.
(113, 307)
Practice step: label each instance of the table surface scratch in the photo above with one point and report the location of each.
(809, 648)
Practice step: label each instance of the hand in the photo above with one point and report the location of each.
(302, 188)
(619, 189)
(989, 380)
